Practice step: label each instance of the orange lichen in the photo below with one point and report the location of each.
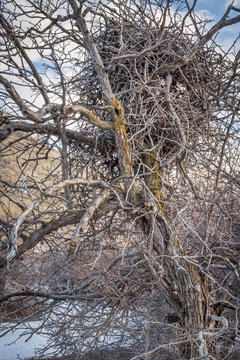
(124, 151)
(193, 272)
(154, 179)
(123, 148)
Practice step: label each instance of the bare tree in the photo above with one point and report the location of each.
(122, 121)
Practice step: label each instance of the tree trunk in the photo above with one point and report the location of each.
(178, 280)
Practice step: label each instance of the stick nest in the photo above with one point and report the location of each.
(139, 82)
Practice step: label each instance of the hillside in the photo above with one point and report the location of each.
(25, 166)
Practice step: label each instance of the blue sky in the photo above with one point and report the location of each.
(215, 9)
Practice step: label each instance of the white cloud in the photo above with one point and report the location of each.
(236, 3)
(205, 14)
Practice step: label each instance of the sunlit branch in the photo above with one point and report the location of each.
(13, 237)
(10, 33)
(52, 130)
(176, 121)
(18, 100)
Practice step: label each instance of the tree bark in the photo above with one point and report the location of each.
(178, 280)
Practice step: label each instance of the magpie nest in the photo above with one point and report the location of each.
(140, 84)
